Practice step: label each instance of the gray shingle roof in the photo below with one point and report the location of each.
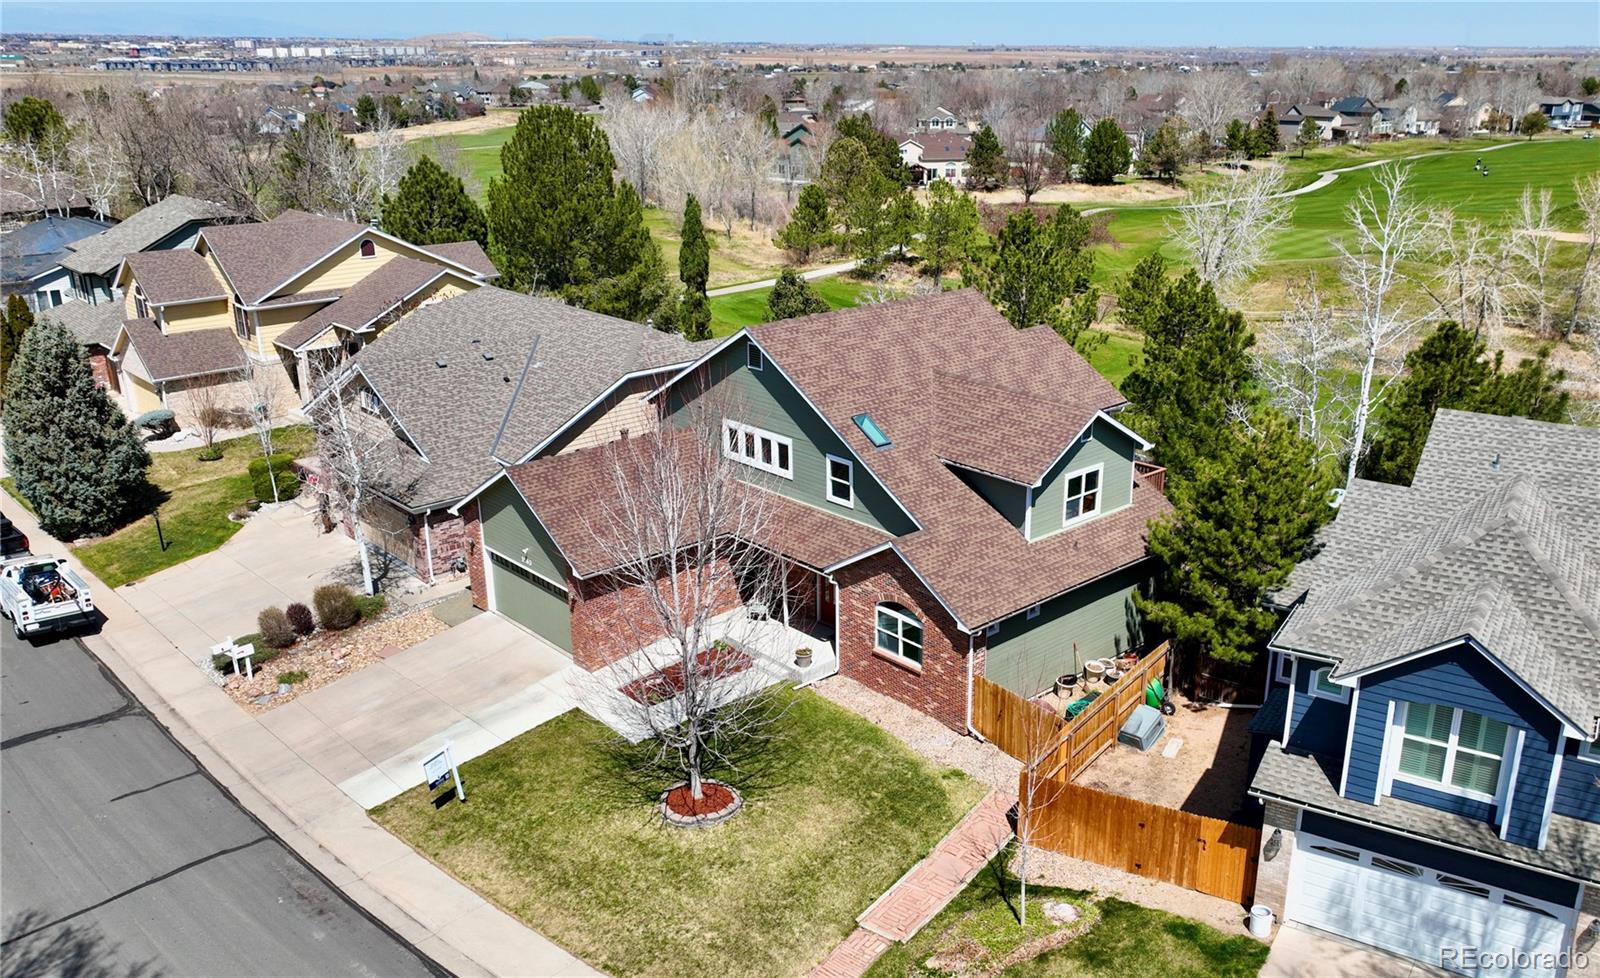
(467, 253)
(40, 246)
(385, 288)
(102, 253)
(176, 355)
(484, 339)
(175, 276)
(1496, 539)
(258, 258)
(92, 325)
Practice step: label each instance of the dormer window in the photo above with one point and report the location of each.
(141, 309)
(368, 248)
(1083, 494)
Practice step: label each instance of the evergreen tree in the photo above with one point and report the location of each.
(1106, 154)
(1039, 272)
(590, 89)
(950, 228)
(558, 222)
(1533, 123)
(16, 322)
(810, 227)
(986, 161)
(1265, 139)
(846, 168)
(1195, 372)
(430, 206)
(1310, 135)
(904, 220)
(1239, 524)
(1142, 291)
(1450, 369)
(366, 111)
(1590, 86)
(76, 459)
(880, 147)
(34, 121)
(1164, 155)
(1239, 139)
(694, 270)
(1063, 138)
(793, 296)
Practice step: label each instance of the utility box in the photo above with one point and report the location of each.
(1143, 728)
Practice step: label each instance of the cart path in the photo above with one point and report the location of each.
(927, 888)
(767, 283)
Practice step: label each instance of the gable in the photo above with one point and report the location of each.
(345, 267)
(765, 399)
(1461, 675)
(512, 530)
(1107, 446)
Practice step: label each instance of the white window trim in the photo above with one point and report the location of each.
(754, 359)
(827, 479)
(1285, 669)
(1099, 494)
(905, 619)
(758, 434)
(1451, 748)
(1588, 751)
(1321, 694)
(990, 631)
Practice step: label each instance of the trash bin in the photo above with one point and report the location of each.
(1260, 921)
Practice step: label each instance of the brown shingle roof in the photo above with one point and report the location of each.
(259, 258)
(467, 253)
(189, 354)
(942, 147)
(365, 301)
(175, 276)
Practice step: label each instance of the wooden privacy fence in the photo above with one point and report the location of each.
(1205, 854)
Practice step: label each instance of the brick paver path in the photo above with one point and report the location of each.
(928, 888)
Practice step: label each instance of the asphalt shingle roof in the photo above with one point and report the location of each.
(92, 325)
(368, 299)
(188, 354)
(466, 253)
(1498, 538)
(175, 276)
(259, 258)
(41, 245)
(102, 253)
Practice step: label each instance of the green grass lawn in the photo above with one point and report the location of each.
(1117, 356)
(1123, 940)
(838, 811)
(731, 313)
(194, 513)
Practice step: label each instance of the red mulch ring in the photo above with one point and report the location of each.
(664, 684)
(714, 797)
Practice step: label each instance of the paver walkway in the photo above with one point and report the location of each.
(927, 888)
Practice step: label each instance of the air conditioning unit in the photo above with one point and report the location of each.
(1143, 728)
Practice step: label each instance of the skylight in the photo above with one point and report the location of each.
(870, 428)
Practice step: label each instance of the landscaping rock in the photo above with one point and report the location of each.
(1060, 912)
(263, 699)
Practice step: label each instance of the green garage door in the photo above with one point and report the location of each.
(530, 601)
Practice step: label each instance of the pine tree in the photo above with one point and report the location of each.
(950, 228)
(16, 322)
(1164, 155)
(559, 223)
(846, 168)
(366, 111)
(986, 161)
(694, 270)
(880, 147)
(810, 227)
(1239, 524)
(1195, 373)
(76, 459)
(1142, 291)
(1238, 139)
(1106, 154)
(1063, 137)
(904, 218)
(1039, 272)
(1310, 135)
(430, 206)
(1265, 139)
(793, 296)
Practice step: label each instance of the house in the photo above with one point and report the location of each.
(488, 375)
(296, 294)
(942, 119)
(951, 497)
(95, 327)
(31, 256)
(279, 119)
(937, 156)
(1570, 113)
(1432, 781)
(1331, 124)
(172, 222)
(796, 160)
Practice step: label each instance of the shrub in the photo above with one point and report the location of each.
(370, 605)
(275, 628)
(161, 419)
(293, 676)
(210, 453)
(336, 607)
(283, 468)
(300, 619)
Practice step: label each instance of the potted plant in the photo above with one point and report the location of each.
(1064, 683)
(802, 658)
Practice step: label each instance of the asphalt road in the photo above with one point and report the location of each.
(121, 858)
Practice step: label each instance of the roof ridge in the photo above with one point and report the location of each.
(1522, 530)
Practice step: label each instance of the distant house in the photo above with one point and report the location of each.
(279, 119)
(796, 160)
(1570, 113)
(943, 120)
(1331, 125)
(1361, 117)
(940, 155)
(30, 259)
(173, 222)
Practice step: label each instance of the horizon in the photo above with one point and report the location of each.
(1544, 25)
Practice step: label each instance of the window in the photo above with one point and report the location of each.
(1590, 751)
(1083, 494)
(759, 449)
(992, 630)
(141, 309)
(241, 319)
(368, 249)
(841, 488)
(368, 399)
(899, 633)
(870, 428)
(1452, 749)
(1285, 667)
(1322, 687)
(752, 357)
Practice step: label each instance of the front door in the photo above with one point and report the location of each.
(826, 608)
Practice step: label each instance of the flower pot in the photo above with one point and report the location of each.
(802, 658)
(1065, 683)
(1112, 675)
(1093, 671)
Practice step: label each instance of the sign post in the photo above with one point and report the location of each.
(440, 766)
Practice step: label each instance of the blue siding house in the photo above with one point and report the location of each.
(1429, 762)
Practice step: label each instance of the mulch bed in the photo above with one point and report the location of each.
(663, 684)
(714, 797)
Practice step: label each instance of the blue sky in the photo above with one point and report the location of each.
(1279, 24)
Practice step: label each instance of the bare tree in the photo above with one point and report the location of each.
(1211, 100)
(385, 161)
(1301, 364)
(683, 529)
(749, 147)
(1227, 226)
(41, 168)
(1474, 288)
(209, 405)
(1587, 281)
(1044, 778)
(261, 395)
(1388, 229)
(229, 158)
(638, 134)
(1530, 249)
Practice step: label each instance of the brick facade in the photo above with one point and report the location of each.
(446, 538)
(472, 531)
(609, 622)
(939, 688)
(100, 367)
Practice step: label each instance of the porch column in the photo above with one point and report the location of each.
(786, 569)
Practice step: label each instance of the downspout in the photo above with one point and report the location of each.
(971, 730)
(427, 543)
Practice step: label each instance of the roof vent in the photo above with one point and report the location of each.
(1494, 463)
(487, 355)
(440, 362)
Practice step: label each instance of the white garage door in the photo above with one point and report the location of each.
(1417, 912)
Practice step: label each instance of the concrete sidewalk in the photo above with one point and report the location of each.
(449, 922)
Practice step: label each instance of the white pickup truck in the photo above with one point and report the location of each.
(42, 594)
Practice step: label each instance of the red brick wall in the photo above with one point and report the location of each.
(100, 367)
(609, 622)
(449, 541)
(939, 688)
(472, 534)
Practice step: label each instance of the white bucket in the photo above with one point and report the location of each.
(1260, 923)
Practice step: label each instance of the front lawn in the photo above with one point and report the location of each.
(196, 498)
(839, 810)
(731, 313)
(1121, 939)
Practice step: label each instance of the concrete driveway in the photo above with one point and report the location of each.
(1302, 952)
(477, 685)
(276, 558)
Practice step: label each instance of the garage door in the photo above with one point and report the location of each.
(531, 601)
(1418, 912)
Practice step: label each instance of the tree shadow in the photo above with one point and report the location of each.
(32, 948)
